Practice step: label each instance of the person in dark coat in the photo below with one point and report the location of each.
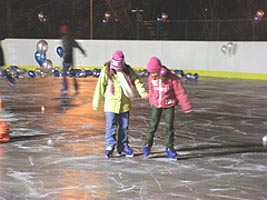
(68, 43)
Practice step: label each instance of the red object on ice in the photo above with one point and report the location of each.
(4, 132)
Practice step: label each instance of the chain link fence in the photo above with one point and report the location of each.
(203, 30)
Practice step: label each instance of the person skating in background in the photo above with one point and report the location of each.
(68, 43)
(10, 79)
(165, 92)
(115, 87)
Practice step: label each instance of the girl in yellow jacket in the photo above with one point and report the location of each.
(115, 87)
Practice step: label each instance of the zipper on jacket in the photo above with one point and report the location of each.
(160, 93)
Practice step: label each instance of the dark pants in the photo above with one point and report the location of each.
(66, 67)
(10, 79)
(154, 122)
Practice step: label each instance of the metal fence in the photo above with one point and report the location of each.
(203, 30)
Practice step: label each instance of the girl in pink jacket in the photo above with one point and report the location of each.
(165, 92)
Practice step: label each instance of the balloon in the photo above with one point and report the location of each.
(17, 75)
(230, 45)
(40, 58)
(37, 72)
(43, 74)
(60, 51)
(88, 72)
(42, 46)
(31, 74)
(14, 67)
(234, 49)
(21, 71)
(179, 73)
(143, 72)
(224, 49)
(72, 73)
(47, 66)
(189, 76)
(96, 72)
(196, 76)
(81, 74)
(78, 71)
(56, 73)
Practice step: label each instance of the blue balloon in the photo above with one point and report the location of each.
(88, 72)
(190, 76)
(56, 73)
(31, 74)
(40, 58)
(14, 67)
(182, 73)
(96, 72)
(60, 51)
(73, 72)
(196, 76)
(17, 75)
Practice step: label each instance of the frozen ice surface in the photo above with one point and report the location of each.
(58, 154)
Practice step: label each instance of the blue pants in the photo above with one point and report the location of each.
(66, 67)
(114, 121)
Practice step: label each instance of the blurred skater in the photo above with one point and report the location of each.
(10, 79)
(165, 92)
(68, 43)
(115, 87)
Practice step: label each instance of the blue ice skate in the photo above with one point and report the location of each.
(146, 151)
(171, 153)
(64, 91)
(109, 152)
(128, 152)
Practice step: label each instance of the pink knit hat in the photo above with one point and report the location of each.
(116, 61)
(154, 65)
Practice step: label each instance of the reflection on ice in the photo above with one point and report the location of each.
(59, 154)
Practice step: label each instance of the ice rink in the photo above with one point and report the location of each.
(58, 153)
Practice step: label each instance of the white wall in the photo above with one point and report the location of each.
(250, 57)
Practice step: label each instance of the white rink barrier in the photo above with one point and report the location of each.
(224, 57)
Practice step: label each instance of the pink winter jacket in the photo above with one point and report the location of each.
(167, 93)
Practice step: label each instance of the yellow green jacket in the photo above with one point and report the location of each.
(116, 102)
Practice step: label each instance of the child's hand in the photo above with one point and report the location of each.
(144, 96)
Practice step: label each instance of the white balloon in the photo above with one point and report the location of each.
(230, 45)
(42, 46)
(234, 49)
(224, 49)
(47, 66)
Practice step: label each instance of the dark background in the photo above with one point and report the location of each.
(187, 19)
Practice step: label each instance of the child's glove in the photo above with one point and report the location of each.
(144, 96)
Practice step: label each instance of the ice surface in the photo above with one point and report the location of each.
(58, 154)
